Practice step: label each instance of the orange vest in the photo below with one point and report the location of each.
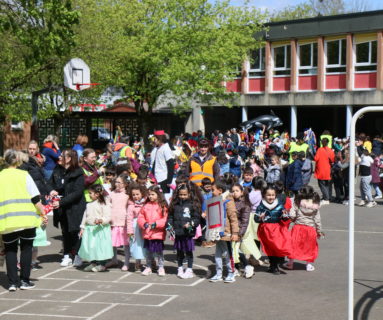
(198, 172)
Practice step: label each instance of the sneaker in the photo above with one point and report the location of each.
(236, 273)
(161, 272)
(216, 278)
(77, 262)
(249, 271)
(137, 267)
(361, 203)
(371, 204)
(345, 202)
(208, 244)
(310, 267)
(378, 197)
(188, 274)
(26, 285)
(324, 202)
(12, 288)
(89, 267)
(35, 266)
(98, 268)
(288, 265)
(230, 278)
(147, 271)
(124, 268)
(66, 261)
(180, 272)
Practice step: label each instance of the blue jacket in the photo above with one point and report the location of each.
(273, 212)
(235, 166)
(294, 181)
(51, 158)
(79, 149)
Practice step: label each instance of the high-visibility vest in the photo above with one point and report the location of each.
(17, 211)
(329, 137)
(297, 148)
(199, 172)
(86, 191)
(123, 152)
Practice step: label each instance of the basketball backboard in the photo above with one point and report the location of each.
(77, 75)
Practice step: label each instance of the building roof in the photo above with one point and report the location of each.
(360, 22)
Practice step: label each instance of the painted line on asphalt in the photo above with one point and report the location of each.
(103, 311)
(53, 272)
(196, 282)
(168, 300)
(201, 267)
(15, 308)
(44, 315)
(83, 297)
(68, 284)
(356, 231)
(123, 277)
(143, 288)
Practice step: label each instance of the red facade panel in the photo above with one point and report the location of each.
(257, 85)
(335, 81)
(234, 86)
(307, 83)
(365, 80)
(281, 84)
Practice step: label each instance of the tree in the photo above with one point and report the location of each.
(184, 49)
(37, 38)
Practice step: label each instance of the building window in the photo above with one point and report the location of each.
(308, 58)
(257, 63)
(336, 56)
(366, 56)
(282, 59)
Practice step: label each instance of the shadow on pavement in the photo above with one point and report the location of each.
(365, 304)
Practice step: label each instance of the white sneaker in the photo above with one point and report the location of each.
(66, 261)
(249, 271)
(310, 267)
(324, 202)
(361, 203)
(371, 204)
(188, 274)
(180, 272)
(77, 261)
(236, 273)
(345, 202)
(378, 197)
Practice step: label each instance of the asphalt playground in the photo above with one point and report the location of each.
(68, 293)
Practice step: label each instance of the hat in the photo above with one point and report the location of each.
(159, 133)
(203, 142)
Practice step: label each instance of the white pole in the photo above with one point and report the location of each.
(244, 114)
(294, 121)
(348, 120)
(351, 212)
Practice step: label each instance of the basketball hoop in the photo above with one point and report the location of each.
(77, 75)
(88, 85)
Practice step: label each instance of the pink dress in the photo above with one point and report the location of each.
(119, 218)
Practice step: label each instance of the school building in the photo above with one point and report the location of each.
(312, 73)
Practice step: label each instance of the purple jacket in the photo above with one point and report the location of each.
(375, 170)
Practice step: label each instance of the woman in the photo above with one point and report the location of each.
(19, 199)
(72, 205)
(92, 176)
(51, 152)
(81, 142)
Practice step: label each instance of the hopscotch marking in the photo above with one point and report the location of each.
(143, 288)
(15, 308)
(103, 311)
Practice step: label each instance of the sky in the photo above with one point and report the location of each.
(272, 5)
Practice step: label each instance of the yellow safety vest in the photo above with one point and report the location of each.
(86, 191)
(17, 211)
(329, 137)
(297, 148)
(198, 172)
(123, 152)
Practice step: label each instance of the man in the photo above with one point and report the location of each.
(162, 161)
(298, 146)
(324, 158)
(202, 164)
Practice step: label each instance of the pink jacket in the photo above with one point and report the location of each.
(134, 208)
(375, 166)
(152, 212)
(119, 214)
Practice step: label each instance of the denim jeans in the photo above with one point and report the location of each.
(365, 188)
(377, 189)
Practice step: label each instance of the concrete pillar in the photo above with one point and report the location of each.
(294, 121)
(379, 67)
(197, 119)
(321, 83)
(349, 63)
(245, 77)
(268, 68)
(244, 114)
(348, 120)
(294, 66)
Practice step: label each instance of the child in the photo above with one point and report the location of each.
(273, 171)
(255, 195)
(110, 175)
(223, 246)
(243, 208)
(305, 214)
(122, 224)
(274, 236)
(206, 187)
(206, 193)
(248, 174)
(294, 180)
(137, 195)
(96, 244)
(152, 221)
(183, 219)
(307, 168)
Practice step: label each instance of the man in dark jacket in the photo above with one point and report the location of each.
(294, 180)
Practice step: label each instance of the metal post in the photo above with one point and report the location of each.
(348, 120)
(244, 114)
(351, 212)
(294, 121)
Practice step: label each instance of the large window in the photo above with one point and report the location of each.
(257, 63)
(366, 56)
(308, 58)
(336, 56)
(281, 56)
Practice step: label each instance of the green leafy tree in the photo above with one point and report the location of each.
(180, 49)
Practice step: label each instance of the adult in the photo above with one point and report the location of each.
(19, 199)
(72, 205)
(203, 165)
(324, 158)
(162, 161)
(235, 137)
(326, 134)
(377, 145)
(92, 175)
(51, 152)
(298, 146)
(81, 142)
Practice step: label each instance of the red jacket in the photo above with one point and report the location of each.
(152, 212)
(323, 160)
